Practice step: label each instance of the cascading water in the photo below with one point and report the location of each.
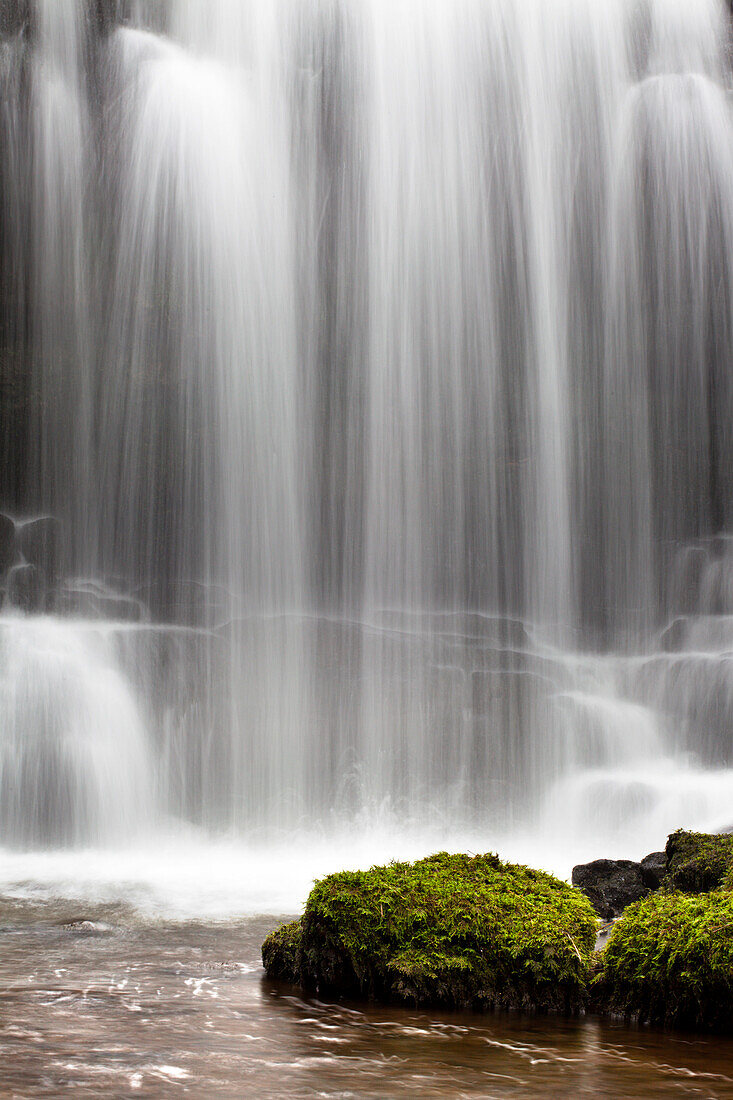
(366, 397)
(74, 765)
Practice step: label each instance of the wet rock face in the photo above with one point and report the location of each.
(7, 543)
(14, 16)
(653, 869)
(25, 588)
(102, 16)
(108, 13)
(31, 562)
(610, 884)
(41, 546)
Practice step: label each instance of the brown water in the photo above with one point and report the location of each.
(121, 1007)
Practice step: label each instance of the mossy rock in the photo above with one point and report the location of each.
(670, 961)
(698, 862)
(456, 931)
(280, 953)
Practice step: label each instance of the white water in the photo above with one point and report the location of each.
(75, 767)
(370, 364)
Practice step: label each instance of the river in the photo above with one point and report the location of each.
(101, 1001)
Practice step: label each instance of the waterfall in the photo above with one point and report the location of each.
(366, 417)
(74, 763)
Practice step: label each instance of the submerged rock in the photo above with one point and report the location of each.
(610, 884)
(85, 927)
(453, 930)
(603, 933)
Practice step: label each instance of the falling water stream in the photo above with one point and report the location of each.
(366, 439)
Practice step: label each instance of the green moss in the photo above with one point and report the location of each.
(698, 862)
(670, 961)
(456, 930)
(281, 952)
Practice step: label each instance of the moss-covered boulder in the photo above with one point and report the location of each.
(453, 930)
(669, 960)
(698, 862)
(281, 953)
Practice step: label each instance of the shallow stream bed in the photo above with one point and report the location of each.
(96, 1001)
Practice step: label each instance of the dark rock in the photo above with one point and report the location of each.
(653, 869)
(610, 884)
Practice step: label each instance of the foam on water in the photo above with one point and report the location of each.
(193, 877)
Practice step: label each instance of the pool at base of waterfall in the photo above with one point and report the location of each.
(138, 973)
(97, 1000)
